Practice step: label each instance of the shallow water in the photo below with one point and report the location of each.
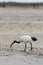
(11, 56)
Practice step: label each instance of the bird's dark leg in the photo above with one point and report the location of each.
(31, 47)
(25, 47)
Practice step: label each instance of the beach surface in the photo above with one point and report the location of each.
(15, 22)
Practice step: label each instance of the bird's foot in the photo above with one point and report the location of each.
(31, 49)
(24, 50)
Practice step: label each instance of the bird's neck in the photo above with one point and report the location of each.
(17, 41)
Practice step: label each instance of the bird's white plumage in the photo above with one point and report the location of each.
(25, 38)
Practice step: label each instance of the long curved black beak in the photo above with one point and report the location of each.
(14, 42)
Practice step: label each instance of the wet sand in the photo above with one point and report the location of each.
(15, 22)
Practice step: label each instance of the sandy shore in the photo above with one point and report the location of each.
(15, 22)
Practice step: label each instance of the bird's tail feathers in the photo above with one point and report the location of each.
(34, 38)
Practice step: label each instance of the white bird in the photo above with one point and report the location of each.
(25, 39)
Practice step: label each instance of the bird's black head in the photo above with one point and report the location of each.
(34, 38)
